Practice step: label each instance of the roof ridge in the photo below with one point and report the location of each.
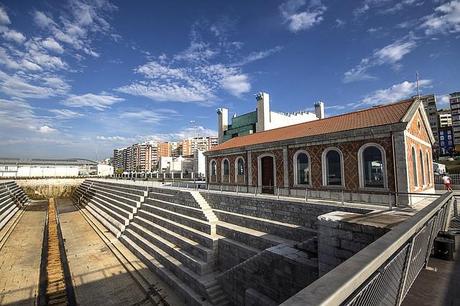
(335, 116)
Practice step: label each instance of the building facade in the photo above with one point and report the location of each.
(429, 102)
(446, 141)
(445, 118)
(454, 100)
(190, 145)
(13, 167)
(263, 119)
(353, 153)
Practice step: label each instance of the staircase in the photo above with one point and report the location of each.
(12, 198)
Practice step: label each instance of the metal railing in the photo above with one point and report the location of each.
(383, 272)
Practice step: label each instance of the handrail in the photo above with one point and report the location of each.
(335, 287)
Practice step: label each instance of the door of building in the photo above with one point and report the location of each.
(268, 177)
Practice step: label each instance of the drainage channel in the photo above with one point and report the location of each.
(55, 279)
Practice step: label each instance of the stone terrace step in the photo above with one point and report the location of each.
(133, 192)
(192, 298)
(188, 245)
(175, 196)
(197, 224)
(284, 230)
(178, 208)
(6, 206)
(7, 215)
(254, 238)
(114, 198)
(193, 263)
(104, 219)
(123, 194)
(121, 203)
(123, 219)
(197, 282)
(204, 239)
(120, 185)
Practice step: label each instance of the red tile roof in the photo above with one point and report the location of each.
(375, 116)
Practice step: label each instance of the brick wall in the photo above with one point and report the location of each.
(418, 129)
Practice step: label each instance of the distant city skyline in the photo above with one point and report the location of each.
(81, 78)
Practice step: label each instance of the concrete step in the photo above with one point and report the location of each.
(178, 208)
(105, 220)
(235, 253)
(191, 297)
(195, 223)
(284, 230)
(114, 198)
(123, 219)
(195, 281)
(135, 189)
(109, 199)
(178, 197)
(115, 219)
(123, 194)
(188, 245)
(7, 215)
(6, 206)
(203, 239)
(193, 263)
(257, 239)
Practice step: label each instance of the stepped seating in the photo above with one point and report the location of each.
(175, 236)
(12, 198)
(113, 204)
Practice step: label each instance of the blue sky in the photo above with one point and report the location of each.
(78, 78)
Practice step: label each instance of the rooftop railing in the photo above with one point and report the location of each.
(383, 272)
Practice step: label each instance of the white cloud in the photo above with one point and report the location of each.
(394, 52)
(4, 19)
(148, 116)
(16, 86)
(65, 114)
(388, 55)
(14, 36)
(52, 45)
(99, 102)
(443, 101)
(258, 55)
(446, 19)
(236, 84)
(300, 16)
(46, 129)
(395, 93)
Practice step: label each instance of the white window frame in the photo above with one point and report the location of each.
(259, 168)
(295, 167)
(324, 167)
(415, 176)
(236, 168)
(210, 169)
(361, 168)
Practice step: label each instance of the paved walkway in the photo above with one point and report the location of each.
(20, 258)
(98, 277)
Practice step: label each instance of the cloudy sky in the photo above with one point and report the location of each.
(78, 78)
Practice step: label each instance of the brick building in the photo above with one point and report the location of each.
(365, 154)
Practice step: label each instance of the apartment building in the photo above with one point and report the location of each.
(445, 118)
(454, 100)
(203, 144)
(429, 103)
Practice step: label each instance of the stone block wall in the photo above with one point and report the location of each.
(304, 214)
(276, 274)
(341, 235)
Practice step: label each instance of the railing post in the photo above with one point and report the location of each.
(343, 202)
(221, 189)
(278, 192)
(390, 206)
(405, 271)
(255, 191)
(306, 194)
(237, 189)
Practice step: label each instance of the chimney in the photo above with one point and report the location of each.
(319, 110)
(222, 122)
(263, 112)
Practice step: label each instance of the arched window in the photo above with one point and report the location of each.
(428, 172)
(213, 169)
(414, 166)
(372, 168)
(301, 168)
(422, 167)
(240, 166)
(225, 167)
(333, 167)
